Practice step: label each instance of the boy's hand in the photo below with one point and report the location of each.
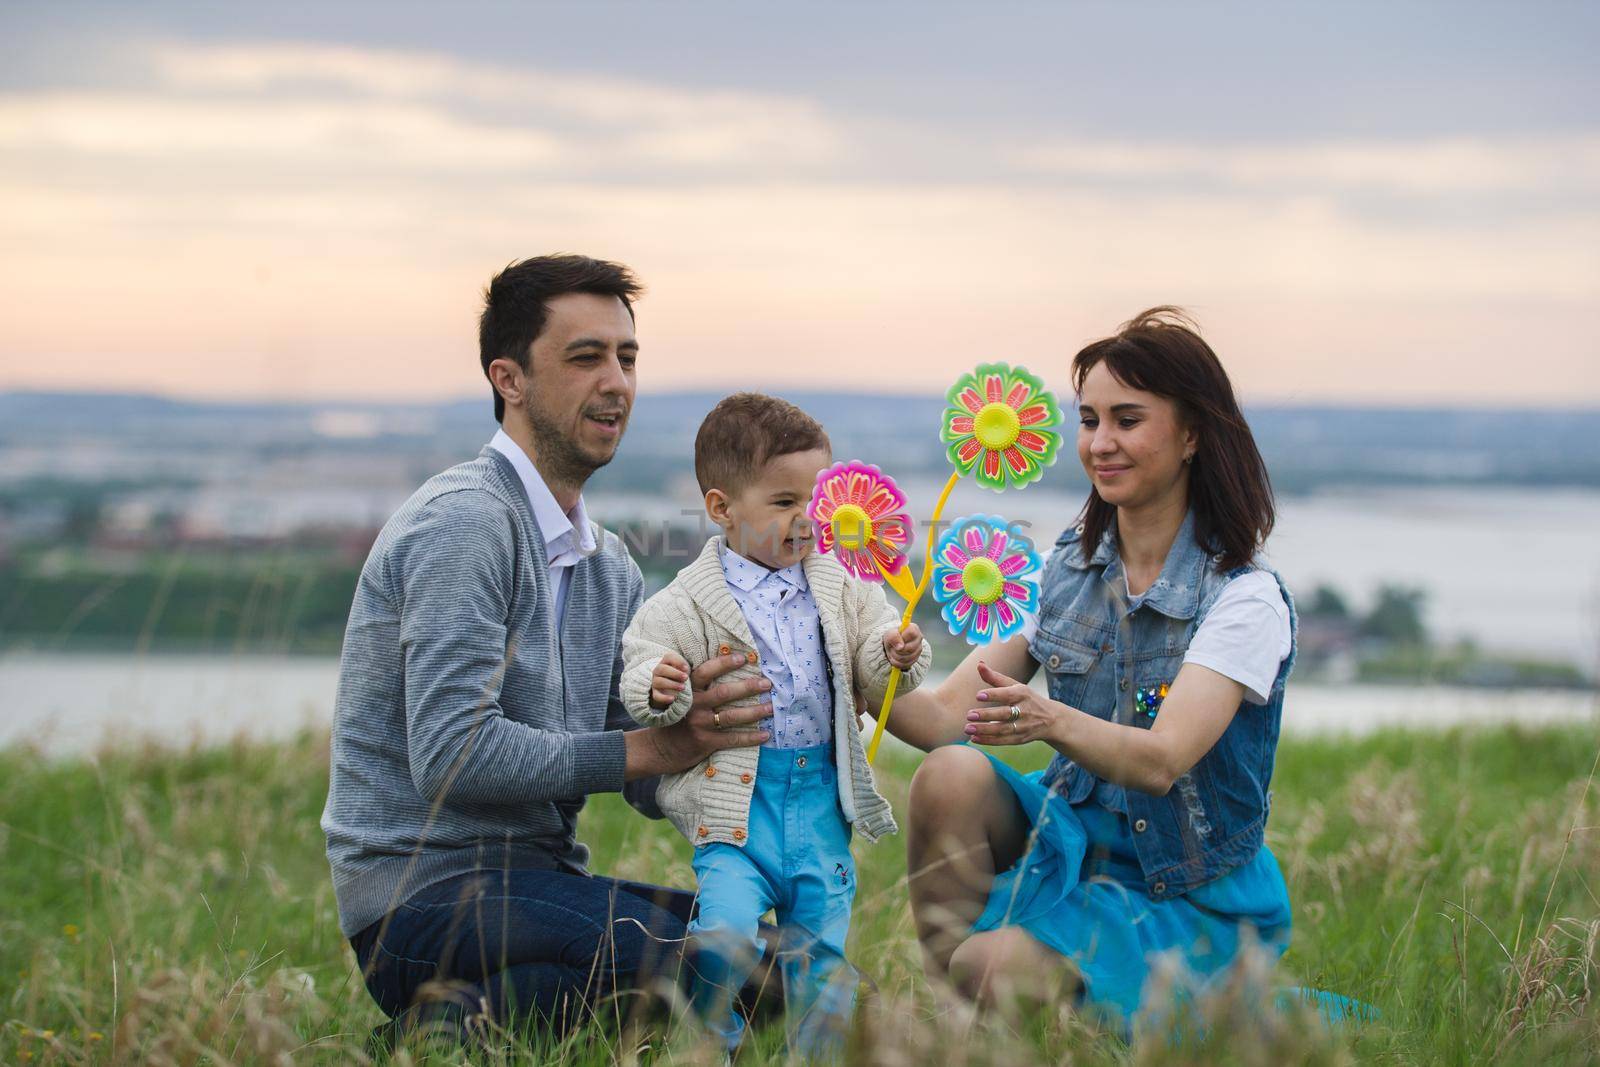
(903, 647)
(667, 680)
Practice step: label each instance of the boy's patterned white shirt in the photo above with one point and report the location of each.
(782, 615)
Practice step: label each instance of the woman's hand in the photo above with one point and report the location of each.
(1193, 716)
(1013, 713)
(933, 715)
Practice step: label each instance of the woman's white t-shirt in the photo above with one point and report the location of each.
(1245, 636)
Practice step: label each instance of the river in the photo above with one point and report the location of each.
(1512, 569)
(74, 703)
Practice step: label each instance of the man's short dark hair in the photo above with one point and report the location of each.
(514, 304)
(744, 432)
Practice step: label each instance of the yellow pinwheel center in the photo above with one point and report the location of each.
(997, 426)
(851, 527)
(981, 580)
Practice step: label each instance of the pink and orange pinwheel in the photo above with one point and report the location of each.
(861, 516)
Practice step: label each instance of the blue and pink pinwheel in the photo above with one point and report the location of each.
(983, 579)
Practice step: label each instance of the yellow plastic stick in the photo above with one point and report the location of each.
(900, 581)
(905, 619)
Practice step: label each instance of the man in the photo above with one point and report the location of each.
(477, 703)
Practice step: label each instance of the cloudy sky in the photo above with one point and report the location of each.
(1375, 203)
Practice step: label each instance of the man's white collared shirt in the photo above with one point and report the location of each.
(568, 537)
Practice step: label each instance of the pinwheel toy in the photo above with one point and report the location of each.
(980, 573)
(1002, 426)
(862, 518)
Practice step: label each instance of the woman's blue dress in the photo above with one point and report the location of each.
(1079, 890)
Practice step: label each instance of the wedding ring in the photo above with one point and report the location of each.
(1015, 728)
(1016, 713)
(716, 720)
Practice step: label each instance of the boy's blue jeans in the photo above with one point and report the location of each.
(795, 860)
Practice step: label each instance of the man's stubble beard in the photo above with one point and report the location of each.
(564, 462)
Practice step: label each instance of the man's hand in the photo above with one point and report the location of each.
(709, 726)
(666, 681)
(903, 647)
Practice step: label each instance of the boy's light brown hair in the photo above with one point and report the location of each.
(744, 432)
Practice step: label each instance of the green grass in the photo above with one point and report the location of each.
(175, 908)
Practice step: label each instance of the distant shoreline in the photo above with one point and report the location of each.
(168, 652)
(71, 704)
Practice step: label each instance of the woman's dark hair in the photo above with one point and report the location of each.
(514, 304)
(1160, 351)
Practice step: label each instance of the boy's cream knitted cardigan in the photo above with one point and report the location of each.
(696, 617)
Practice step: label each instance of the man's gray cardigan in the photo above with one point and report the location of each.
(468, 727)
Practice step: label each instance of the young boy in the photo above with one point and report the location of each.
(771, 825)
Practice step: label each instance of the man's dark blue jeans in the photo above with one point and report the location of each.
(547, 946)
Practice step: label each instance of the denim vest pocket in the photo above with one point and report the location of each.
(1067, 665)
(1068, 780)
(1151, 673)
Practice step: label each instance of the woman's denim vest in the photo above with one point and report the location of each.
(1102, 650)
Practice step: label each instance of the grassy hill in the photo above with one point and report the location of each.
(175, 908)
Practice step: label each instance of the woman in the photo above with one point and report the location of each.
(1166, 644)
